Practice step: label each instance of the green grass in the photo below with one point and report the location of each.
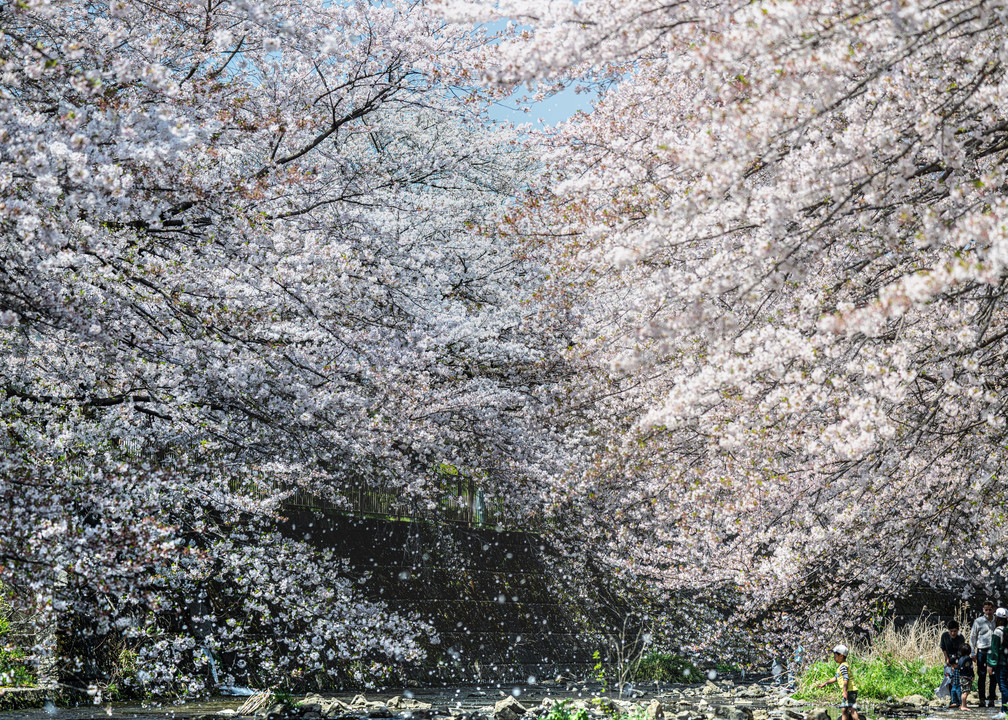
(724, 668)
(14, 669)
(665, 667)
(878, 678)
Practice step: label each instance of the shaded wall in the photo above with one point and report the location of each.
(506, 607)
(940, 605)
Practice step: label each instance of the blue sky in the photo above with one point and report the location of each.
(549, 111)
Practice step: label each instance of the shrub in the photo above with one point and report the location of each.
(14, 668)
(562, 711)
(915, 641)
(899, 661)
(665, 667)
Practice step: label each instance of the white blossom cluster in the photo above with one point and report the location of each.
(744, 330)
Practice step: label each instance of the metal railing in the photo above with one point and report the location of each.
(461, 499)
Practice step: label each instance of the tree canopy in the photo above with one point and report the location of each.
(742, 322)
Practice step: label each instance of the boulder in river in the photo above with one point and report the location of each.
(654, 710)
(398, 702)
(276, 711)
(733, 712)
(913, 701)
(324, 706)
(817, 714)
(508, 709)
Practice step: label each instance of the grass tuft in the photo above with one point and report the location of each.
(563, 710)
(15, 670)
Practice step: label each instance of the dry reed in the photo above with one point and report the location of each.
(917, 640)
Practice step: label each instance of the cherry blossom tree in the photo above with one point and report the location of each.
(248, 248)
(778, 244)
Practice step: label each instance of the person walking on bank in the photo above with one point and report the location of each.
(980, 640)
(997, 656)
(847, 688)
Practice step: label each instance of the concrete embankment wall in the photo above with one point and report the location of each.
(506, 607)
(941, 605)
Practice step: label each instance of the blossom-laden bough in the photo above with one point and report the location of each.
(780, 243)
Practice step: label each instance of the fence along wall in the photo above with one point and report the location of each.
(461, 501)
(504, 604)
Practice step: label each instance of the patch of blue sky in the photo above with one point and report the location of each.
(520, 109)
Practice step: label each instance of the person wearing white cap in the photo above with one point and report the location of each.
(997, 656)
(843, 678)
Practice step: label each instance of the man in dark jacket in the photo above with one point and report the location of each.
(951, 643)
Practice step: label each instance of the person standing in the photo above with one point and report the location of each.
(951, 643)
(997, 656)
(963, 680)
(848, 690)
(980, 641)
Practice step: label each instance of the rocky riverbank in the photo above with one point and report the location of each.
(722, 700)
